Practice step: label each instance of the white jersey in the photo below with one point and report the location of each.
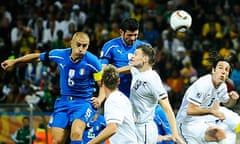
(203, 94)
(118, 109)
(146, 90)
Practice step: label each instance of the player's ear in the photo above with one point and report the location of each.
(213, 70)
(121, 32)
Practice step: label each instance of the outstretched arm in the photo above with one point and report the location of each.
(8, 64)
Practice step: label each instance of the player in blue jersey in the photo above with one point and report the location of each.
(94, 127)
(119, 51)
(79, 71)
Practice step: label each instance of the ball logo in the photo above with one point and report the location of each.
(180, 16)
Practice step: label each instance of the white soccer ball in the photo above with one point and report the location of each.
(180, 20)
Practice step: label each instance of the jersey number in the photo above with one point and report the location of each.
(71, 74)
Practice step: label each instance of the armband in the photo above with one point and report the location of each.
(237, 129)
(97, 76)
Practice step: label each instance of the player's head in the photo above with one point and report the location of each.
(144, 55)
(110, 77)
(79, 43)
(221, 68)
(26, 121)
(129, 29)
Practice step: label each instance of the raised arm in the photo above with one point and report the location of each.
(8, 64)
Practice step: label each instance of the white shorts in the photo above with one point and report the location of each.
(232, 119)
(147, 133)
(193, 132)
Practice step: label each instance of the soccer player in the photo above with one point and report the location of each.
(118, 112)
(94, 127)
(201, 100)
(146, 92)
(118, 51)
(79, 71)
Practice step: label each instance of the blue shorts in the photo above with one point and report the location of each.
(67, 109)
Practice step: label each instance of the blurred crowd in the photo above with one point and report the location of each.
(28, 26)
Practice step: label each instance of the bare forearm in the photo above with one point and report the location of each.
(199, 111)
(172, 121)
(170, 114)
(27, 58)
(125, 69)
(105, 134)
(9, 63)
(101, 95)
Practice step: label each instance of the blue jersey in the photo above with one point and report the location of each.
(76, 78)
(117, 53)
(162, 124)
(93, 128)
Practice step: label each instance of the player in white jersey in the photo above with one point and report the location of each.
(118, 112)
(201, 102)
(146, 91)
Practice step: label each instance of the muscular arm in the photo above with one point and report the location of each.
(7, 64)
(193, 109)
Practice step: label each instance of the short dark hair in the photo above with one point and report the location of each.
(26, 118)
(215, 58)
(110, 77)
(130, 24)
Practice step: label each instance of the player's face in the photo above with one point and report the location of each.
(221, 72)
(79, 46)
(138, 59)
(129, 37)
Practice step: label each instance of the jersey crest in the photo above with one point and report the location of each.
(82, 71)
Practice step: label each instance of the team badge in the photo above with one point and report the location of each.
(82, 71)
(198, 95)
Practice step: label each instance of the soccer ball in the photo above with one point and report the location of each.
(180, 20)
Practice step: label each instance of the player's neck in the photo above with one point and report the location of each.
(109, 91)
(75, 60)
(145, 68)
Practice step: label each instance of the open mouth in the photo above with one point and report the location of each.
(222, 78)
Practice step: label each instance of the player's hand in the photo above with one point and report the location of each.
(233, 95)
(96, 102)
(178, 139)
(218, 114)
(164, 138)
(7, 64)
